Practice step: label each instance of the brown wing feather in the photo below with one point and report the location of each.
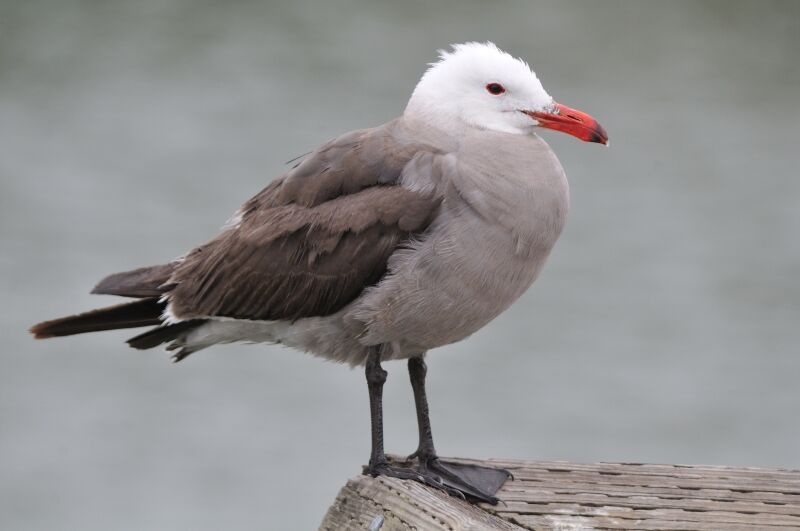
(139, 283)
(295, 261)
(311, 241)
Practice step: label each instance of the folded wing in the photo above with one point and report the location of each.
(293, 261)
(309, 243)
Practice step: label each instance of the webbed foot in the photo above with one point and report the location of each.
(404, 472)
(462, 480)
(475, 482)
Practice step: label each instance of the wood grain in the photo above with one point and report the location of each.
(570, 497)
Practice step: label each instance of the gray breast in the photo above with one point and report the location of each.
(505, 203)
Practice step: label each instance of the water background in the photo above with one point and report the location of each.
(665, 328)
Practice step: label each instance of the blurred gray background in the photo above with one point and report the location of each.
(664, 329)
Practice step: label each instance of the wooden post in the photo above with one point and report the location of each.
(570, 497)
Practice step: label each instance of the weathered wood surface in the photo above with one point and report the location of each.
(566, 496)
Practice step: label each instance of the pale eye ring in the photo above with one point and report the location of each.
(495, 89)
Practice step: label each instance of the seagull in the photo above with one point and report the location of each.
(381, 244)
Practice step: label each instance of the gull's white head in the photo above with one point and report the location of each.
(480, 86)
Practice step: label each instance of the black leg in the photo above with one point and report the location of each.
(476, 482)
(378, 465)
(417, 370)
(376, 377)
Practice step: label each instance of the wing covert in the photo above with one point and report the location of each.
(310, 242)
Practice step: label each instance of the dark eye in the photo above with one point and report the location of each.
(495, 88)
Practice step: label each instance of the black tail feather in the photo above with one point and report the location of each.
(163, 334)
(145, 312)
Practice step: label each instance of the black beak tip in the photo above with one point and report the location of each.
(599, 135)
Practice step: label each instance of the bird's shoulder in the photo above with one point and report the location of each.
(344, 165)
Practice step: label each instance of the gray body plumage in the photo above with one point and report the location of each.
(498, 203)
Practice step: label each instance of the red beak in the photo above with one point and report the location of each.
(570, 121)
